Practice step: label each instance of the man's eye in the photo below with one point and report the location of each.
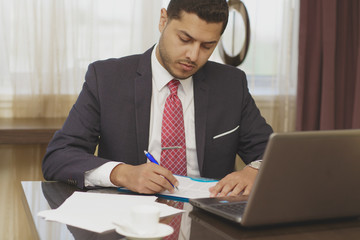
(206, 46)
(184, 40)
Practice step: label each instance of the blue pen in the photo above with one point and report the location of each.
(153, 160)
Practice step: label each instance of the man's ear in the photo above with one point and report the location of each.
(163, 19)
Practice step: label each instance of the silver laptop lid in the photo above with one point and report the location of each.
(307, 176)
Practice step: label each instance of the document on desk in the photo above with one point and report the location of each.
(97, 211)
(189, 188)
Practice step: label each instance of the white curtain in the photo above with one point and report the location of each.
(46, 47)
(272, 59)
(284, 114)
(281, 26)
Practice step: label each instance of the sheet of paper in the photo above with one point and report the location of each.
(191, 188)
(97, 211)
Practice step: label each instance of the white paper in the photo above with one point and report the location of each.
(97, 211)
(190, 188)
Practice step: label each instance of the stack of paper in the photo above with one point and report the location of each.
(189, 188)
(97, 211)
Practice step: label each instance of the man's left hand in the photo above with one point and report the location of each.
(235, 183)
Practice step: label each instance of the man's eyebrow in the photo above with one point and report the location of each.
(191, 37)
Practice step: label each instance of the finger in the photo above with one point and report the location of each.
(162, 182)
(214, 191)
(168, 175)
(147, 180)
(152, 187)
(237, 190)
(247, 190)
(167, 185)
(157, 183)
(225, 190)
(145, 187)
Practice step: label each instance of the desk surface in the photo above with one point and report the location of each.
(38, 196)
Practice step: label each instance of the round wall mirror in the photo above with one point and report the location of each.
(234, 43)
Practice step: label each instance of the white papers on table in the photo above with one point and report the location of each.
(97, 211)
(188, 188)
(192, 187)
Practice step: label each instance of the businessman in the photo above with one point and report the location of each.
(123, 109)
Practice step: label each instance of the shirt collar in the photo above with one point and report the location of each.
(161, 76)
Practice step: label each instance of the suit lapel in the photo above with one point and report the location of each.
(201, 93)
(143, 91)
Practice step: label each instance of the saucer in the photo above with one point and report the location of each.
(163, 231)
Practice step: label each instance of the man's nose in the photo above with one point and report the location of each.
(193, 52)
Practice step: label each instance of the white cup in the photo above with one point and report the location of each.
(144, 219)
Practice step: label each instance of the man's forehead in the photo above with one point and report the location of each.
(190, 24)
(207, 41)
(184, 14)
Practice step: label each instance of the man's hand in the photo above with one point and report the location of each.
(235, 183)
(147, 178)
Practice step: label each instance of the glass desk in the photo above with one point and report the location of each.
(196, 224)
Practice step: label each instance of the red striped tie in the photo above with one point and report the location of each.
(173, 153)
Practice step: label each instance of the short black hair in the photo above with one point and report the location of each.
(211, 11)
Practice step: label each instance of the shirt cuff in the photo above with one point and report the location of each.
(100, 176)
(255, 164)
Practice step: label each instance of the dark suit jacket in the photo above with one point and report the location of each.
(113, 110)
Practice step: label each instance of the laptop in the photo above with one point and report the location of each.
(305, 176)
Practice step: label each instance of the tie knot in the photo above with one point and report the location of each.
(173, 86)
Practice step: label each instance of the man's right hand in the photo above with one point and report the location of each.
(147, 178)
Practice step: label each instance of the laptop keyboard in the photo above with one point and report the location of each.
(238, 207)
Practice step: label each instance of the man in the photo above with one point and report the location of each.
(120, 109)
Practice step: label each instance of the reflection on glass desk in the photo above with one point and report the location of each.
(196, 224)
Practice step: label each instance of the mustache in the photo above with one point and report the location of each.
(187, 62)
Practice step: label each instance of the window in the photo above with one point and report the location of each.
(47, 45)
(273, 34)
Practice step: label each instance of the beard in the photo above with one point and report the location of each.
(167, 62)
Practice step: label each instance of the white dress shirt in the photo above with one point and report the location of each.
(160, 77)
